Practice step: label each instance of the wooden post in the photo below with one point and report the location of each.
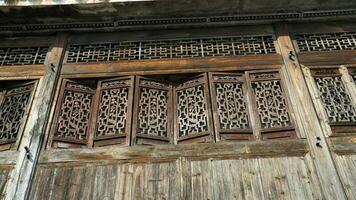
(21, 177)
(322, 159)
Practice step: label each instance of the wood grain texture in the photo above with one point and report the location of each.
(346, 165)
(343, 145)
(173, 66)
(23, 71)
(222, 150)
(328, 58)
(5, 172)
(115, 181)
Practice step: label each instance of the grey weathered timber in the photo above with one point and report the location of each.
(328, 176)
(22, 174)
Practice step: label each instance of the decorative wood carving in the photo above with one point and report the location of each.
(113, 119)
(73, 112)
(168, 49)
(153, 114)
(326, 41)
(337, 102)
(271, 105)
(192, 110)
(12, 110)
(23, 55)
(229, 99)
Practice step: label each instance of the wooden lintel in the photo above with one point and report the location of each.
(343, 145)
(232, 63)
(328, 58)
(22, 71)
(222, 150)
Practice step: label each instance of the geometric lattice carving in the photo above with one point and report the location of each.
(12, 110)
(74, 112)
(231, 102)
(326, 42)
(271, 104)
(230, 106)
(168, 49)
(23, 55)
(152, 109)
(336, 101)
(192, 109)
(114, 108)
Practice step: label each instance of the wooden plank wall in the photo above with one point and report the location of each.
(5, 172)
(259, 178)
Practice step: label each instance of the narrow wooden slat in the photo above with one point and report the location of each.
(24, 71)
(343, 145)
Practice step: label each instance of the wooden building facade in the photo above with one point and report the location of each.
(256, 106)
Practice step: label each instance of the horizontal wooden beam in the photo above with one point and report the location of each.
(343, 145)
(171, 66)
(21, 72)
(222, 150)
(8, 157)
(328, 58)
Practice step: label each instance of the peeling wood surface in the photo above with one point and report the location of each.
(293, 147)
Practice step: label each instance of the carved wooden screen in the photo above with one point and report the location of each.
(153, 112)
(13, 107)
(337, 102)
(23, 55)
(113, 111)
(270, 104)
(230, 108)
(73, 113)
(193, 122)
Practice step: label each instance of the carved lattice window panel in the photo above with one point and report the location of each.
(23, 55)
(270, 105)
(326, 41)
(337, 102)
(74, 110)
(168, 49)
(193, 121)
(113, 119)
(230, 108)
(153, 112)
(14, 105)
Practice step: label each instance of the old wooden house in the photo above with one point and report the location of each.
(186, 99)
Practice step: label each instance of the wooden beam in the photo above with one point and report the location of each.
(26, 72)
(141, 153)
(328, 58)
(303, 105)
(21, 176)
(173, 66)
(343, 145)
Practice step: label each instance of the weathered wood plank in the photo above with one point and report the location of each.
(23, 71)
(325, 168)
(343, 145)
(173, 66)
(328, 58)
(346, 165)
(115, 181)
(34, 131)
(293, 147)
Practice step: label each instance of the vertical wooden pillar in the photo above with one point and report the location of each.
(20, 181)
(322, 158)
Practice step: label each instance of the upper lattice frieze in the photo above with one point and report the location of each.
(169, 49)
(326, 41)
